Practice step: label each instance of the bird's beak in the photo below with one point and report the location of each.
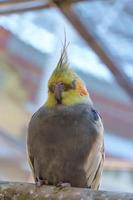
(59, 87)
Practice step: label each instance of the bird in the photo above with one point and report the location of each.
(65, 139)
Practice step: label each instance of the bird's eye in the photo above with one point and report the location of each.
(66, 87)
(70, 86)
(73, 84)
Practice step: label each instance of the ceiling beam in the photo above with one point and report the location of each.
(14, 6)
(4, 2)
(18, 6)
(107, 59)
(44, 1)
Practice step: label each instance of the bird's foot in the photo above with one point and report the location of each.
(39, 182)
(62, 185)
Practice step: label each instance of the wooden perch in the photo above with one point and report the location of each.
(28, 191)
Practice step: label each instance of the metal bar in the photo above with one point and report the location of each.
(22, 6)
(4, 2)
(120, 76)
(43, 2)
(19, 6)
(68, 2)
(14, 6)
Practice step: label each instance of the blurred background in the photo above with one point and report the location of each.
(101, 51)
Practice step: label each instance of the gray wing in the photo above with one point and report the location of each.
(30, 158)
(96, 181)
(33, 144)
(95, 160)
(30, 141)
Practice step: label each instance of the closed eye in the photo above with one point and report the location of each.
(70, 86)
(67, 87)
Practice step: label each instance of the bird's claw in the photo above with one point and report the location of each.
(62, 185)
(40, 182)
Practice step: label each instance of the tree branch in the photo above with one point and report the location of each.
(28, 191)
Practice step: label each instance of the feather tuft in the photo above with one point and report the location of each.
(63, 61)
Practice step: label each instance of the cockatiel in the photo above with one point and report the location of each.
(65, 136)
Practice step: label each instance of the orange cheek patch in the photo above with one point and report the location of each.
(80, 87)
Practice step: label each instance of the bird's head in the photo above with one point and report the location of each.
(65, 87)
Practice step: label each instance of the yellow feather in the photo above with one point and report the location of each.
(51, 101)
(72, 97)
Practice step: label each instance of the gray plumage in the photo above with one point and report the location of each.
(65, 144)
